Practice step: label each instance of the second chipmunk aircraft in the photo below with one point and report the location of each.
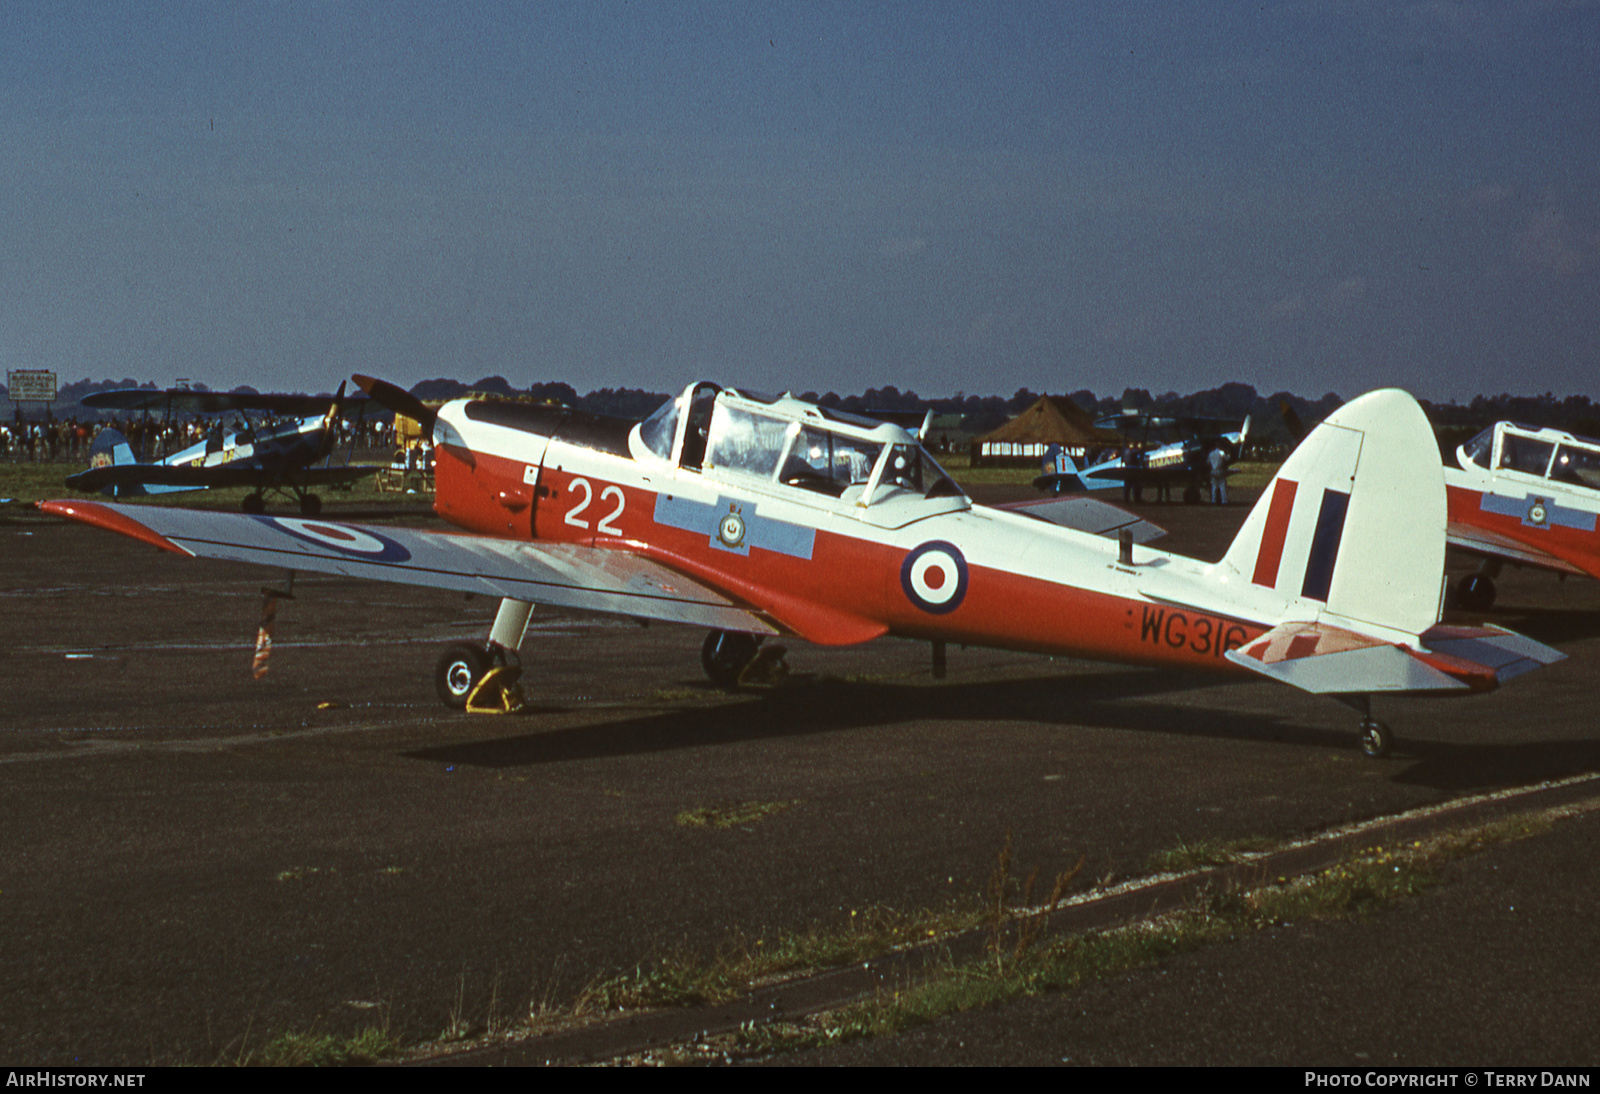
(756, 516)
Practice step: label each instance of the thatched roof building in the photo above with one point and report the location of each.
(1053, 420)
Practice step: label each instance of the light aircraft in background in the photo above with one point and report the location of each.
(755, 517)
(265, 455)
(1183, 462)
(1526, 496)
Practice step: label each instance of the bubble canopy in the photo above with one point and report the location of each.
(784, 442)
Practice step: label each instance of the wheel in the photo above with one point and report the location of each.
(1191, 494)
(1376, 739)
(725, 655)
(310, 505)
(253, 503)
(1475, 592)
(458, 671)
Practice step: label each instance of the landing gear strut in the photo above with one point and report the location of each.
(731, 658)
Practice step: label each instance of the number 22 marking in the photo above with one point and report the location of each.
(606, 524)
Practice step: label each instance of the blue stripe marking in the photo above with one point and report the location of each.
(759, 531)
(1325, 546)
(1564, 515)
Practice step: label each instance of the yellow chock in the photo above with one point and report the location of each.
(497, 692)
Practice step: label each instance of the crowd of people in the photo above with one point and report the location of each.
(68, 440)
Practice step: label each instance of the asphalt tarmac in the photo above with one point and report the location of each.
(197, 861)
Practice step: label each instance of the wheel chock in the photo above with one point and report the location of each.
(497, 692)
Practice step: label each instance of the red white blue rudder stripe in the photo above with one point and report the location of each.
(1353, 524)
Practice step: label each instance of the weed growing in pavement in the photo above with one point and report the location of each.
(731, 815)
(1205, 853)
(369, 1046)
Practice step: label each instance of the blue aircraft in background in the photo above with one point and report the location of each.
(1148, 458)
(287, 447)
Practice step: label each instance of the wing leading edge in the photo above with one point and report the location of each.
(564, 575)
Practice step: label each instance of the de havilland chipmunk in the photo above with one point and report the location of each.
(280, 456)
(1526, 496)
(754, 517)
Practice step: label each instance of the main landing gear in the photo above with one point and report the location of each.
(1475, 592)
(483, 679)
(310, 504)
(732, 658)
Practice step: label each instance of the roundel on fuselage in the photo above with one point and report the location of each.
(934, 577)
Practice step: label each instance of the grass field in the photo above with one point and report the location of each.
(31, 482)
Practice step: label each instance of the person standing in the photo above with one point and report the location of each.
(1219, 476)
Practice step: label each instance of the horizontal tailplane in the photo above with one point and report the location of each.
(1329, 660)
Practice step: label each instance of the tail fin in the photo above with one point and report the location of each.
(1353, 524)
(109, 449)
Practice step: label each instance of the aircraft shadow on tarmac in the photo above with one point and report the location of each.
(1089, 701)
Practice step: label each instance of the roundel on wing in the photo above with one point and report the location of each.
(355, 542)
(934, 577)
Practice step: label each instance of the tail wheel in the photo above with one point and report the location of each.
(1376, 739)
(725, 656)
(458, 672)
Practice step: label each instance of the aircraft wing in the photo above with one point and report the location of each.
(214, 402)
(1484, 542)
(1329, 660)
(566, 575)
(1088, 515)
(96, 479)
(1146, 476)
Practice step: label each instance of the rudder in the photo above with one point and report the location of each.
(1353, 524)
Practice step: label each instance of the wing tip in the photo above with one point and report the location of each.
(99, 515)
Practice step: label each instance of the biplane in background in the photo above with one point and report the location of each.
(1526, 496)
(755, 517)
(1164, 452)
(281, 443)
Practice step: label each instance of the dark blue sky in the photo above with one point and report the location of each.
(969, 197)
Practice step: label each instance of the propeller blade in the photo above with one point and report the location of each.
(335, 409)
(399, 400)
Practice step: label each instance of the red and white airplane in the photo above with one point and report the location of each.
(755, 516)
(1526, 496)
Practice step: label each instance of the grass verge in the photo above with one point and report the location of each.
(1020, 958)
(1367, 881)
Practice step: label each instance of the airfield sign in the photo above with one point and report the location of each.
(33, 385)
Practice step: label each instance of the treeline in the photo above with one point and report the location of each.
(981, 413)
